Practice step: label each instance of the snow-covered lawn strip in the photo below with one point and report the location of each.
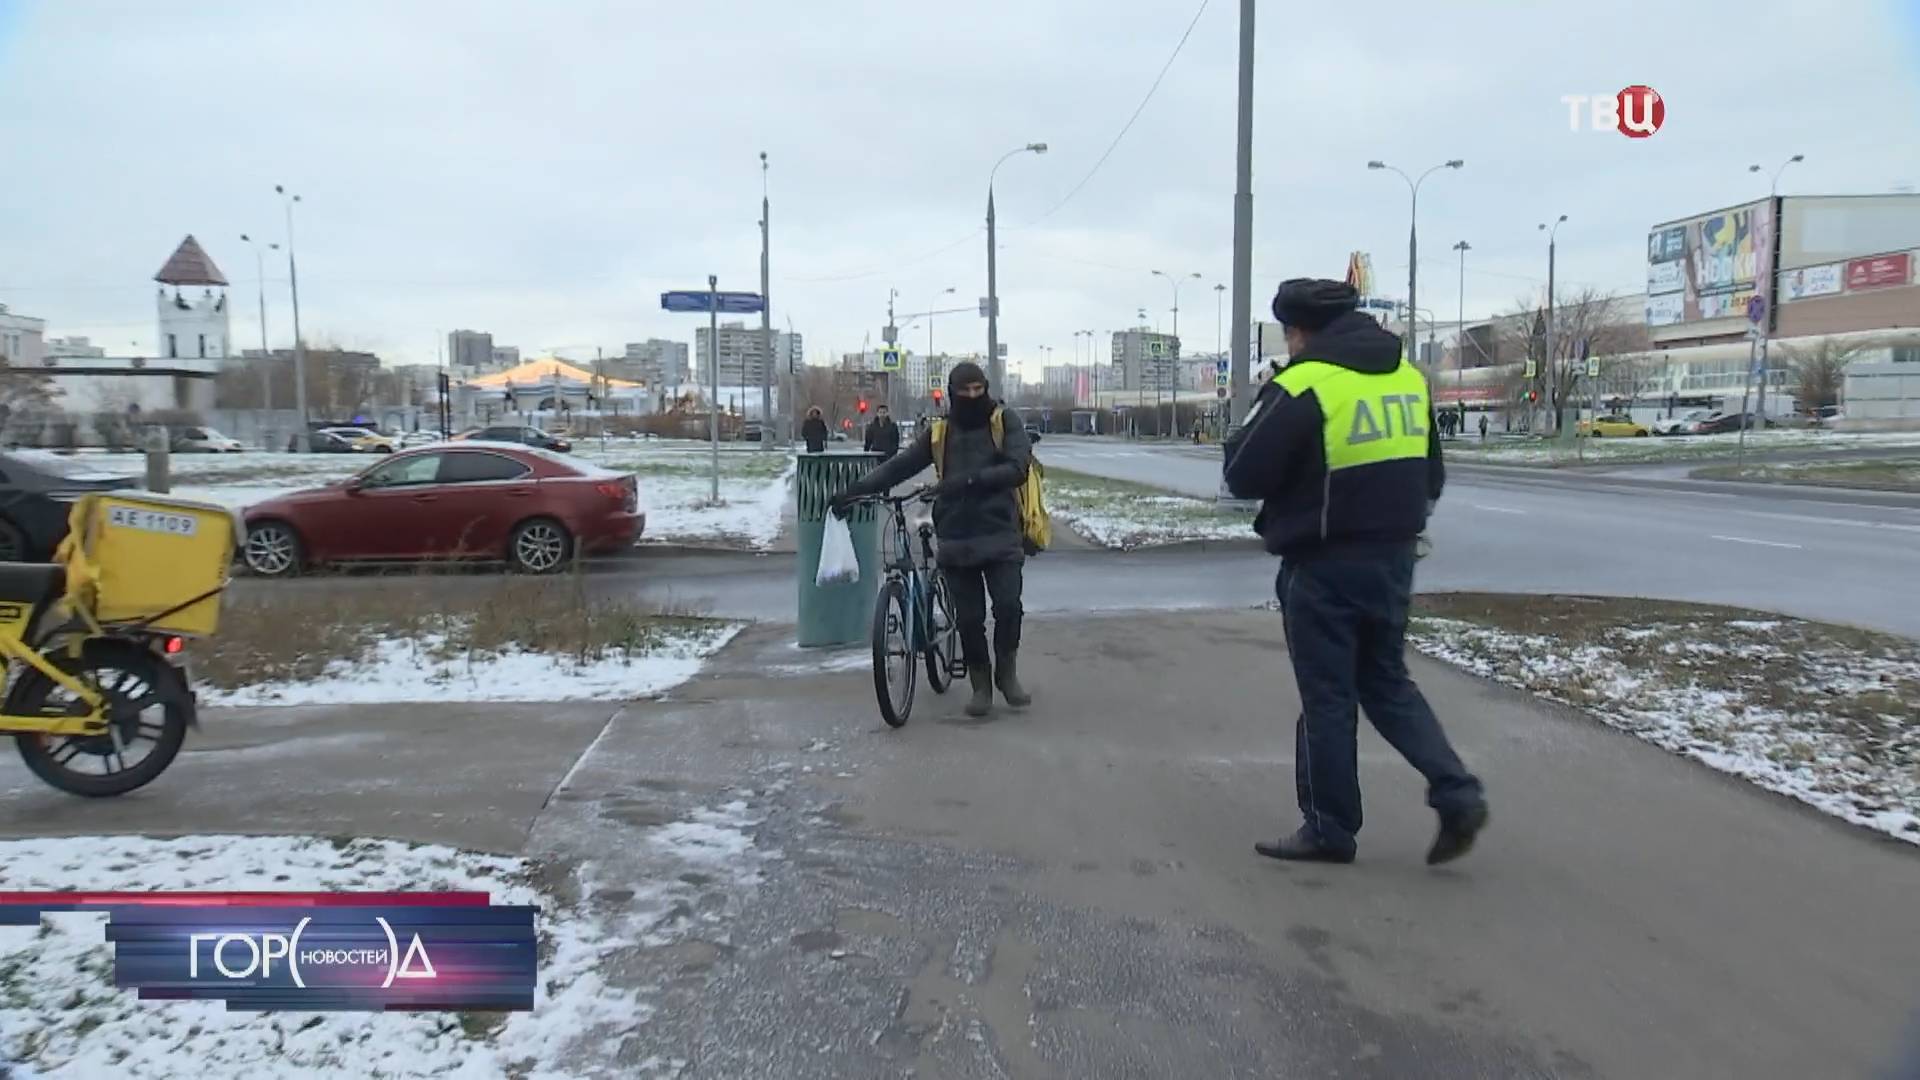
(1671, 448)
(427, 637)
(61, 1016)
(680, 507)
(1825, 714)
(1123, 515)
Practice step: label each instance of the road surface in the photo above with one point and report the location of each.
(1819, 553)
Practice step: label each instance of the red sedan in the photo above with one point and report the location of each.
(473, 500)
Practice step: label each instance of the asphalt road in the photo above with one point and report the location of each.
(1071, 891)
(1814, 552)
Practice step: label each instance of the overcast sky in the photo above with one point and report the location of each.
(543, 171)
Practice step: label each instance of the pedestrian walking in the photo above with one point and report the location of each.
(1483, 427)
(976, 519)
(883, 435)
(1342, 448)
(814, 430)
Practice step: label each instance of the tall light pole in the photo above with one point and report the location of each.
(767, 425)
(1460, 331)
(1552, 372)
(266, 355)
(1413, 233)
(1160, 374)
(1766, 323)
(299, 343)
(997, 369)
(1242, 372)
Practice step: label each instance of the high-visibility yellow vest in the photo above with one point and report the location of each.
(1367, 418)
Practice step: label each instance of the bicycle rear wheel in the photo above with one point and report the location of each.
(943, 636)
(894, 662)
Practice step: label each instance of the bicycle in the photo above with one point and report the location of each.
(913, 619)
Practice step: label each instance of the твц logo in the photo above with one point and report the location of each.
(1636, 112)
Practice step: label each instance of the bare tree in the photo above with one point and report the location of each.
(1820, 368)
(1587, 318)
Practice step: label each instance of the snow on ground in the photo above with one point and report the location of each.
(675, 484)
(424, 669)
(1116, 514)
(1829, 725)
(1672, 447)
(62, 1017)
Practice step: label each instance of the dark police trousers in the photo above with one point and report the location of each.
(1346, 625)
(971, 586)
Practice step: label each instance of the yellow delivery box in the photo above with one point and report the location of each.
(137, 557)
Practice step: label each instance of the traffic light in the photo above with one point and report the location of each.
(863, 406)
(937, 395)
(1533, 396)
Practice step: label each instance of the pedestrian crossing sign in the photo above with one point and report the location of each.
(890, 359)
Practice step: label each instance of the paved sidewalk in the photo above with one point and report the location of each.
(1072, 892)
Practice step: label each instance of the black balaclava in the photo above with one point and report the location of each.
(968, 412)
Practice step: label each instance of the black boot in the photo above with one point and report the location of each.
(1456, 834)
(982, 701)
(1007, 677)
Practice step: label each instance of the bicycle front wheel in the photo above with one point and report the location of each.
(943, 636)
(894, 661)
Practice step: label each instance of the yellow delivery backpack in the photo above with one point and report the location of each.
(1036, 528)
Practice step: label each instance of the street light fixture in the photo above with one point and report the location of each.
(1413, 222)
(299, 343)
(996, 370)
(266, 355)
(1460, 331)
(1774, 189)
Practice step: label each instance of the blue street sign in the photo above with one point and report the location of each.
(730, 303)
(1221, 364)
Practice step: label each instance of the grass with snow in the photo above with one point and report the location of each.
(1123, 515)
(1878, 474)
(1826, 714)
(62, 1017)
(1676, 448)
(423, 637)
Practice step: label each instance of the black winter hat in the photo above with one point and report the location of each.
(964, 373)
(1311, 303)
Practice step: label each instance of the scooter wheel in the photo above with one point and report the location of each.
(148, 707)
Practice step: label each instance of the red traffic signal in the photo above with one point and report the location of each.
(1533, 396)
(863, 405)
(937, 394)
(846, 425)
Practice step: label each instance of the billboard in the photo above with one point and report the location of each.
(1879, 271)
(1705, 269)
(1809, 282)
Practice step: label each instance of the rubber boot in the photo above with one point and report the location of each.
(982, 701)
(1007, 678)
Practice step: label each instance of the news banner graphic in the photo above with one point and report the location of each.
(311, 952)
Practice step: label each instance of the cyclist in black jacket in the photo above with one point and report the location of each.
(1343, 451)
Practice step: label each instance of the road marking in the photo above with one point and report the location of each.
(1499, 509)
(1762, 543)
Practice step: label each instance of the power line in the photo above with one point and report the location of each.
(1111, 147)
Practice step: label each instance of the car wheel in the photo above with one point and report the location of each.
(13, 543)
(1593, 434)
(273, 550)
(540, 546)
(383, 449)
(1640, 434)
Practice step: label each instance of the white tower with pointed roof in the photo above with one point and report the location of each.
(193, 315)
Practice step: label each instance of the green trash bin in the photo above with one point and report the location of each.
(836, 614)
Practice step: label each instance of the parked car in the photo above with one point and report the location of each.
(203, 440)
(525, 436)
(1679, 425)
(532, 508)
(421, 438)
(37, 490)
(1612, 427)
(365, 440)
(321, 442)
(1720, 423)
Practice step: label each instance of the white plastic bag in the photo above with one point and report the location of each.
(838, 564)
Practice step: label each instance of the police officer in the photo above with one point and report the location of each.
(1343, 450)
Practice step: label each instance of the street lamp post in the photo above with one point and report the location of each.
(1766, 323)
(299, 343)
(1460, 331)
(266, 356)
(768, 428)
(1413, 237)
(997, 370)
(1552, 373)
(1159, 373)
